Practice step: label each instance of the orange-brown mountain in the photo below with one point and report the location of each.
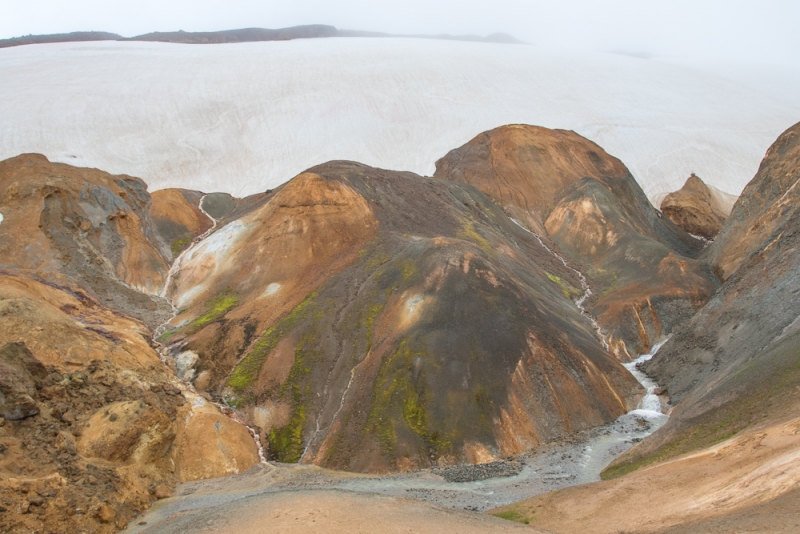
(93, 426)
(371, 320)
(727, 458)
(644, 270)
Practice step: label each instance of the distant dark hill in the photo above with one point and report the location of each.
(243, 35)
(59, 38)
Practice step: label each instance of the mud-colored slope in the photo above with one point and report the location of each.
(697, 208)
(562, 185)
(86, 226)
(93, 426)
(371, 320)
(526, 169)
(331, 511)
(763, 207)
(177, 219)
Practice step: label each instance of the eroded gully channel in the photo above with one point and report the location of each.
(188, 388)
(575, 459)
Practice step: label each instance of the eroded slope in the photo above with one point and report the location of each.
(561, 185)
(372, 320)
(84, 226)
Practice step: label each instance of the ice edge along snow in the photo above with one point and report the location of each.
(162, 350)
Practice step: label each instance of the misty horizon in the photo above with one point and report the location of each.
(731, 31)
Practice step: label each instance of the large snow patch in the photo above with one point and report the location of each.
(242, 118)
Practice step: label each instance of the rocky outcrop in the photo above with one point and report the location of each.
(177, 219)
(764, 206)
(94, 424)
(82, 227)
(19, 371)
(642, 268)
(697, 208)
(371, 320)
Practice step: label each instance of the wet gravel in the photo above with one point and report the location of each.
(471, 473)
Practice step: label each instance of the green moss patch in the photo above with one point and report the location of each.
(513, 515)
(179, 245)
(216, 309)
(567, 289)
(399, 400)
(246, 371)
(468, 233)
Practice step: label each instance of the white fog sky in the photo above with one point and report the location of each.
(761, 31)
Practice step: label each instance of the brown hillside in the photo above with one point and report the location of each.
(695, 208)
(766, 203)
(561, 185)
(83, 227)
(371, 320)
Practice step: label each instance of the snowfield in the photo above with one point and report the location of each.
(242, 118)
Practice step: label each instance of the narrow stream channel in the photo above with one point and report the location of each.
(163, 351)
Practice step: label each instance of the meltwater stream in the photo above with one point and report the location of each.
(162, 350)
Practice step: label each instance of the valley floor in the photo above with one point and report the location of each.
(421, 501)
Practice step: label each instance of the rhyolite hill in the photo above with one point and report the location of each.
(371, 320)
(726, 460)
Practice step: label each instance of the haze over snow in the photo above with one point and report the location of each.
(246, 117)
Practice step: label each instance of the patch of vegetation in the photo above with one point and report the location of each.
(166, 336)
(286, 444)
(397, 399)
(567, 289)
(217, 307)
(468, 233)
(513, 515)
(246, 371)
(179, 244)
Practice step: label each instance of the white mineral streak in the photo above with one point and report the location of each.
(246, 117)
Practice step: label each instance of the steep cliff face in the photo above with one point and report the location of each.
(373, 320)
(85, 226)
(765, 205)
(698, 208)
(559, 184)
